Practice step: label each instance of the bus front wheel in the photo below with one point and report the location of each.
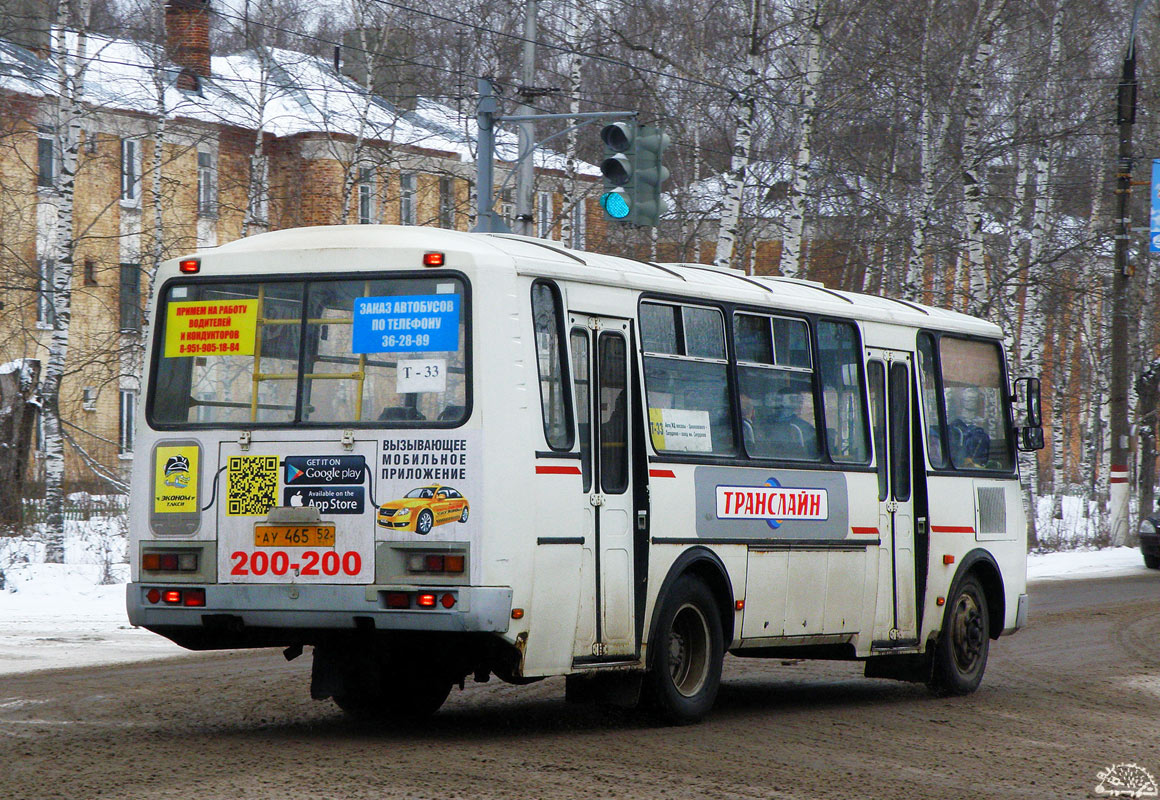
(687, 649)
(960, 655)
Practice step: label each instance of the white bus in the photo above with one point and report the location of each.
(431, 455)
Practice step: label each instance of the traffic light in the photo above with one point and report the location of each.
(633, 172)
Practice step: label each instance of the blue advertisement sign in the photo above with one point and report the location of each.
(1154, 226)
(406, 324)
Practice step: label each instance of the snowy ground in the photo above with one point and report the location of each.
(59, 615)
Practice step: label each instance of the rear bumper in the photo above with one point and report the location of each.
(477, 609)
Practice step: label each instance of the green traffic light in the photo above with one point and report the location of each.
(615, 205)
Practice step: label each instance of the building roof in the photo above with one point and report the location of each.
(283, 92)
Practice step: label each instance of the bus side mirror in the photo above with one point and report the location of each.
(1029, 439)
(1029, 436)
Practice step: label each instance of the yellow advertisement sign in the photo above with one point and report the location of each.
(220, 328)
(175, 479)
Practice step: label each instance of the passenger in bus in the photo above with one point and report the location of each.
(748, 420)
(969, 444)
(791, 435)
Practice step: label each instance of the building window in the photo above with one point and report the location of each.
(446, 203)
(131, 298)
(407, 198)
(130, 170)
(45, 158)
(366, 195)
(90, 272)
(128, 420)
(45, 292)
(206, 184)
(579, 226)
(544, 215)
(89, 398)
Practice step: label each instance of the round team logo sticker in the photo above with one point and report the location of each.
(1126, 780)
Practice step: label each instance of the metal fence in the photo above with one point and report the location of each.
(78, 509)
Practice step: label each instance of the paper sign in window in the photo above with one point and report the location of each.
(218, 328)
(684, 430)
(426, 375)
(406, 324)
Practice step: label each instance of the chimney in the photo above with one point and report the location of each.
(27, 23)
(187, 37)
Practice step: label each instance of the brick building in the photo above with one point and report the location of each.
(254, 141)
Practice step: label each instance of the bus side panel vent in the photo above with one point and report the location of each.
(992, 509)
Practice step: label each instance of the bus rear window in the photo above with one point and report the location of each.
(324, 352)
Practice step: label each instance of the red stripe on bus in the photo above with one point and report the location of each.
(661, 473)
(952, 528)
(557, 470)
(868, 531)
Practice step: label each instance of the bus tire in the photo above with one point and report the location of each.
(1151, 562)
(960, 654)
(425, 522)
(687, 650)
(403, 695)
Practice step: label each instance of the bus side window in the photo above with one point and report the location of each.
(931, 408)
(843, 393)
(547, 319)
(687, 379)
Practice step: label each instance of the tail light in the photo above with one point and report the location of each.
(190, 598)
(436, 563)
(170, 561)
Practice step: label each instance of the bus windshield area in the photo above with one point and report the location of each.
(384, 350)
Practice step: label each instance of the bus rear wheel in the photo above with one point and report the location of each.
(687, 649)
(960, 655)
(402, 694)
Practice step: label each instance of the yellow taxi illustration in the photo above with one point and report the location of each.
(422, 509)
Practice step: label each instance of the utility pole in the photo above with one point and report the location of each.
(485, 217)
(525, 176)
(1118, 381)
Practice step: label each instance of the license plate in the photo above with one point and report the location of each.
(294, 536)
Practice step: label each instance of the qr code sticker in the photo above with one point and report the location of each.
(253, 485)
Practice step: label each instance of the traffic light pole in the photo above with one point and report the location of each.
(486, 218)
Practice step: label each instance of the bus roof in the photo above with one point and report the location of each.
(548, 259)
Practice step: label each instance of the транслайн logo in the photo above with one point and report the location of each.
(773, 503)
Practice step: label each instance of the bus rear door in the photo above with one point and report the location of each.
(888, 373)
(600, 360)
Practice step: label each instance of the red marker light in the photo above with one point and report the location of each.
(194, 597)
(190, 266)
(153, 596)
(171, 596)
(453, 563)
(434, 563)
(448, 600)
(398, 600)
(432, 259)
(425, 600)
(169, 562)
(151, 561)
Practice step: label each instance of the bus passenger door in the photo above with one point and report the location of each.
(888, 375)
(600, 371)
